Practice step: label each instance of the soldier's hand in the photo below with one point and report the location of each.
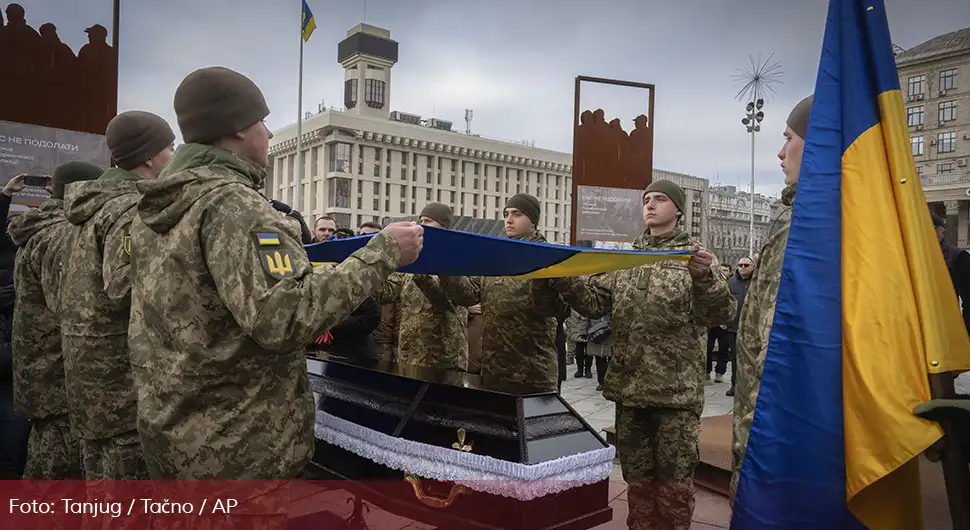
(409, 237)
(700, 264)
(475, 309)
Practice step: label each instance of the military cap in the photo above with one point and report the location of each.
(526, 204)
(798, 119)
(215, 102)
(439, 212)
(671, 190)
(136, 136)
(71, 172)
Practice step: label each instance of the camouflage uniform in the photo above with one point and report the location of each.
(753, 332)
(224, 300)
(38, 364)
(656, 377)
(433, 331)
(519, 325)
(95, 325)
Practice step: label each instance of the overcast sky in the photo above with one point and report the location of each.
(512, 61)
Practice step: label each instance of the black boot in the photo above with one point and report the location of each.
(588, 372)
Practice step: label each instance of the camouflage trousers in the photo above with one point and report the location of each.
(53, 452)
(659, 450)
(115, 458)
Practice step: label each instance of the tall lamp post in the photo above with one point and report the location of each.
(752, 121)
(757, 80)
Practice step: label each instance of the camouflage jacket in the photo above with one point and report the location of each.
(753, 332)
(519, 326)
(94, 317)
(224, 301)
(432, 330)
(660, 314)
(38, 366)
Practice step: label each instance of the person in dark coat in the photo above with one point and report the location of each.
(738, 283)
(354, 336)
(958, 263)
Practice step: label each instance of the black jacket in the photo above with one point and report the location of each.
(739, 288)
(353, 337)
(958, 263)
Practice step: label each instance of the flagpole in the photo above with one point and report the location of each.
(298, 173)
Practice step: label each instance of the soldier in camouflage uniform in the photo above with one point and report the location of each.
(432, 330)
(385, 336)
(97, 291)
(519, 322)
(759, 305)
(224, 299)
(38, 365)
(661, 313)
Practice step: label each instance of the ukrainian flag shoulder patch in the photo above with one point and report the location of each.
(268, 239)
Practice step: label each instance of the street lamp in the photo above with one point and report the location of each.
(757, 80)
(752, 121)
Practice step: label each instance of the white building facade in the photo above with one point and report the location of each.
(365, 163)
(730, 223)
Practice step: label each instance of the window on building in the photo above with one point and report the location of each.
(454, 165)
(915, 85)
(360, 203)
(377, 188)
(350, 93)
(914, 116)
(404, 158)
(948, 111)
(948, 79)
(340, 157)
(374, 93)
(430, 162)
(946, 142)
(916, 143)
(919, 170)
(944, 168)
(377, 203)
(427, 194)
(339, 196)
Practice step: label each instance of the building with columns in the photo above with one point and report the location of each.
(935, 80)
(730, 223)
(365, 163)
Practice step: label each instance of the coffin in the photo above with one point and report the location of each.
(457, 450)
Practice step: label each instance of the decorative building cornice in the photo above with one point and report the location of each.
(317, 136)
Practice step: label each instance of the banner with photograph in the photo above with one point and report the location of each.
(35, 150)
(609, 215)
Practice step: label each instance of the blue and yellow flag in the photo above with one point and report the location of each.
(309, 24)
(454, 253)
(865, 310)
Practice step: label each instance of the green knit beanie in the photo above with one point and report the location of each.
(70, 172)
(671, 190)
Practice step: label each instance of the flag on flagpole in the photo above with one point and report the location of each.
(309, 24)
(865, 309)
(456, 253)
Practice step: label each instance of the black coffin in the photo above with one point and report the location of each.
(457, 450)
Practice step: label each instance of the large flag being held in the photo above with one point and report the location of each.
(865, 309)
(454, 253)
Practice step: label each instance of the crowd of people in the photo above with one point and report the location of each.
(165, 307)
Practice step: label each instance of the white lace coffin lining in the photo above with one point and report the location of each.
(477, 472)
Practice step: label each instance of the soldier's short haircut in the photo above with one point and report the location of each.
(371, 224)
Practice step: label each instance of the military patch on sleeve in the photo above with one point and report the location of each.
(276, 263)
(126, 244)
(268, 239)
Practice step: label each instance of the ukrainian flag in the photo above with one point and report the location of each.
(309, 24)
(865, 309)
(455, 253)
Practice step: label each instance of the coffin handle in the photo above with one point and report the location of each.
(432, 500)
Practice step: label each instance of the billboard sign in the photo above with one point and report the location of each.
(35, 150)
(608, 214)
